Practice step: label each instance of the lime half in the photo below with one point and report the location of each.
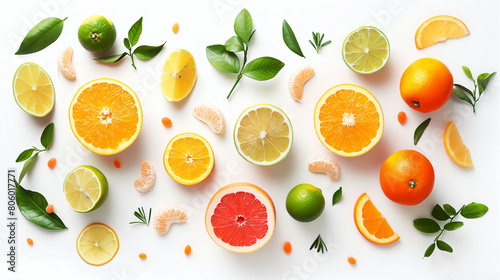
(85, 188)
(366, 50)
(263, 134)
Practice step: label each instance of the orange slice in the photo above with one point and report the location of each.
(455, 147)
(371, 223)
(147, 179)
(326, 165)
(65, 63)
(210, 115)
(439, 29)
(188, 159)
(105, 116)
(167, 216)
(97, 244)
(348, 120)
(297, 81)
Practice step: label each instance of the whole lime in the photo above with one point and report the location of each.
(97, 34)
(305, 202)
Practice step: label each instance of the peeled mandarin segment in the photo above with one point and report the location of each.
(439, 29)
(210, 115)
(297, 81)
(455, 147)
(65, 64)
(167, 216)
(326, 165)
(147, 178)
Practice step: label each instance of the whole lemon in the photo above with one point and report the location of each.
(305, 202)
(97, 34)
(426, 85)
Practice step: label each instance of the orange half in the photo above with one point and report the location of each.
(439, 29)
(455, 147)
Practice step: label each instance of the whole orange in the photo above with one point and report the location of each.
(407, 177)
(426, 85)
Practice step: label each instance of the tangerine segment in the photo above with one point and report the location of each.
(455, 147)
(33, 90)
(167, 216)
(97, 244)
(178, 76)
(348, 120)
(105, 116)
(188, 158)
(439, 29)
(371, 223)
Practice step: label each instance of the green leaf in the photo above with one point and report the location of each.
(420, 130)
(464, 89)
(126, 42)
(41, 35)
(32, 205)
(439, 213)
(443, 246)
(263, 68)
(47, 135)
(337, 196)
(234, 44)
(467, 72)
(25, 155)
(290, 39)
(449, 210)
(27, 165)
(147, 52)
(426, 225)
(111, 59)
(474, 210)
(483, 80)
(243, 25)
(429, 250)
(326, 43)
(223, 60)
(460, 94)
(135, 32)
(453, 226)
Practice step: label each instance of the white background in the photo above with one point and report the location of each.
(202, 23)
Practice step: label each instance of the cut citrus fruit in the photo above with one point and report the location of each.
(326, 165)
(188, 158)
(297, 81)
(97, 244)
(167, 216)
(240, 218)
(65, 63)
(85, 188)
(105, 116)
(147, 179)
(371, 223)
(439, 29)
(33, 90)
(178, 75)
(348, 120)
(210, 115)
(455, 147)
(366, 50)
(263, 134)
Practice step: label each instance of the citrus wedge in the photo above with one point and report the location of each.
(65, 63)
(147, 178)
(366, 50)
(297, 81)
(167, 216)
(85, 188)
(97, 244)
(326, 165)
(178, 75)
(210, 115)
(348, 120)
(455, 147)
(371, 223)
(240, 218)
(33, 90)
(188, 159)
(439, 29)
(263, 134)
(105, 116)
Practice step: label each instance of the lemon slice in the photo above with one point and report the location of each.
(33, 90)
(263, 134)
(366, 50)
(97, 244)
(85, 188)
(178, 75)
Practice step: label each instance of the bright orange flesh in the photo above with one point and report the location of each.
(167, 216)
(439, 29)
(455, 147)
(297, 81)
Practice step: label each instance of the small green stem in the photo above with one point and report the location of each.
(240, 74)
(237, 80)
(132, 57)
(451, 220)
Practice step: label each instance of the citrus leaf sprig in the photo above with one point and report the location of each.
(224, 58)
(141, 215)
(480, 84)
(30, 155)
(141, 52)
(447, 213)
(319, 245)
(318, 41)
(41, 35)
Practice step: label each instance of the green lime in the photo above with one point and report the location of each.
(97, 34)
(366, 50)
(85, 188)
(305, 203)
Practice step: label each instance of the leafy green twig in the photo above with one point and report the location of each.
(224, 58)
(317, 42)
(141, 215)
(30, 155)
(41, 35)
(290, 39)
(420, 130)
(447, 213)
(141, 52)
(319, 245)
(472, 97)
